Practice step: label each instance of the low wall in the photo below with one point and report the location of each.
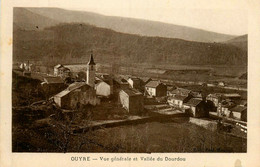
(207, 124)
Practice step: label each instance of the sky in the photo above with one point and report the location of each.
(222, 16)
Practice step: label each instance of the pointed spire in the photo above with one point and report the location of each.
(91, 61)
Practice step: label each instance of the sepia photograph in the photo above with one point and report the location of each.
(85, 81)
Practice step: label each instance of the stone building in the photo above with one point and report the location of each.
(135, 83)
(79, 93)
(196, 107)
(103, 88)
(132, 100)
(155, 89)
(61, 71)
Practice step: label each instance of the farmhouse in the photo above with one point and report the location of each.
(239, 112)
(145, 80)
(179, 91)
(231, 96)
(170, 89)
(62, 71)
(178, 100)
(119, 83)
(78, 93)
(132, 100)
(26, 66)
(103, 88)
(156, 89)
(221, 84)
(196, 107)
(215, 98)
(52, 85)
(26, 73)
(135, 83)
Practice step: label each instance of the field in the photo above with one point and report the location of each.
(142, 138)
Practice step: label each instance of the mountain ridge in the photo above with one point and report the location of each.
(131, 25)
(71, 43)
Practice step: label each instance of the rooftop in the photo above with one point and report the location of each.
(135, 79)
(145, 79)
(75, 85)
(120, 80)
(238, 108)
(181, 91)
(58, 66)
(70, 88)
(194, 101)
(153, 84)
(178, 97)
(50, 80)
(132, 92)
(91, 61)
(231, 95)
(62, 93)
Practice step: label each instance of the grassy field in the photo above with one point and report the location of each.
(142, 138)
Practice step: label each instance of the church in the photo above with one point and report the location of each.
(80, 93)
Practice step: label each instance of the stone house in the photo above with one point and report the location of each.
(155, 89)
(135, 83)
(103, 88)
(178, 100)
(52, 85)
(132, 100)
(216, 98)
(61, 71)
(196, 107)
(238, 112)
(78, 93)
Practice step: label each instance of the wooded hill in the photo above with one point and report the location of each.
(40, 18)
(72, 43)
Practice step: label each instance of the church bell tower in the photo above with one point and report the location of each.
(91, 71)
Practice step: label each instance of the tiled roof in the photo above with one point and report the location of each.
(178, 97)
(71, 87)
(238, 108)
(135, 79)
(58, 66)
(145, 79)
(194, 101)
(62, 93)
(120, 80)
(53, 80)
(153, 84)
(132, 92)
(171, 88)
(76, 85)
(181, 91)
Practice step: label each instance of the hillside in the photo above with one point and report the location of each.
(124, 25)
(71, 43)
(27, 20)
(240, 41)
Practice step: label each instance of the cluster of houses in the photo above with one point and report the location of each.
(229, 105)
(131, 92)
(26, 68)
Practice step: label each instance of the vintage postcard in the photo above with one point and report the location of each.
(130, 83)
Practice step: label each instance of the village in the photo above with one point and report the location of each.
(141, 98)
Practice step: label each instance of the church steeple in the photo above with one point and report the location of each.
(91, 60)
(91, 71)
